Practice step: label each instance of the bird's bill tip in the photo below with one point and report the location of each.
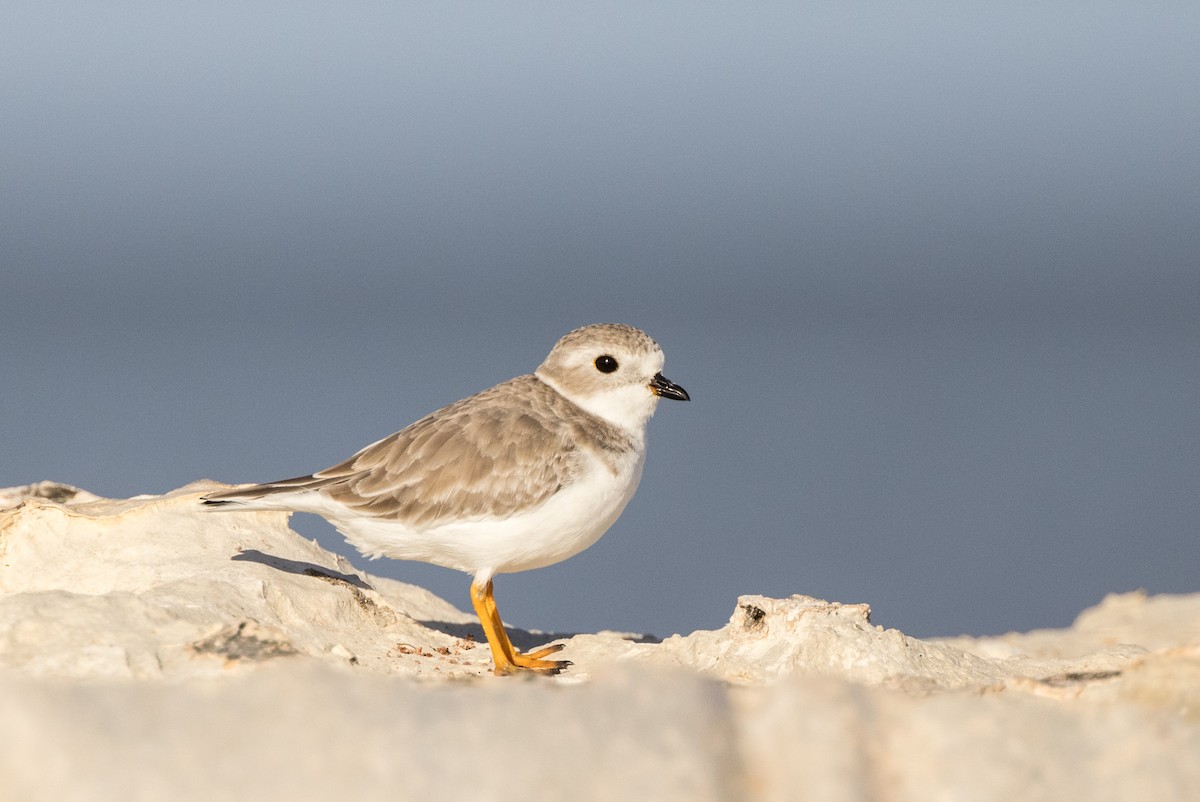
(663, 387)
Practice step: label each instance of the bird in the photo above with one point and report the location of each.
(519, 476)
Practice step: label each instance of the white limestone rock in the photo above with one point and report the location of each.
(152, 650)
(157, 587)
(304, 731)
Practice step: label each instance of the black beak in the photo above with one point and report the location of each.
(660, 385)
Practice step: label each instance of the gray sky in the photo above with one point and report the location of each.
(930, 274)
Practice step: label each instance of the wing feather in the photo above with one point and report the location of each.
(503, 450)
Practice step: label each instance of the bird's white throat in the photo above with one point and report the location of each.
(627, 407)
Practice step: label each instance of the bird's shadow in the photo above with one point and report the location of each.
(298, 567)
(522, 639)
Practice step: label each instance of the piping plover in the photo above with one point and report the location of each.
(523, 475)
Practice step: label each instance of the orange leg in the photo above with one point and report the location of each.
(506, 659)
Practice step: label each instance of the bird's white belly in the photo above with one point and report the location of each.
(564, 525)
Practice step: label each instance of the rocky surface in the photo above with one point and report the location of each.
(152, 650)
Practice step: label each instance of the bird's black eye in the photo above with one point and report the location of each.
(606, 364)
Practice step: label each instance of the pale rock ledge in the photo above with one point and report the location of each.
(152, 650)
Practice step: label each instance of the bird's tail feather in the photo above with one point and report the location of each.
(259, 496)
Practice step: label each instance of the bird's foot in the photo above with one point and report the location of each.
(535, 662)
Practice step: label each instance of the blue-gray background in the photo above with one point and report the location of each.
(931, 274)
